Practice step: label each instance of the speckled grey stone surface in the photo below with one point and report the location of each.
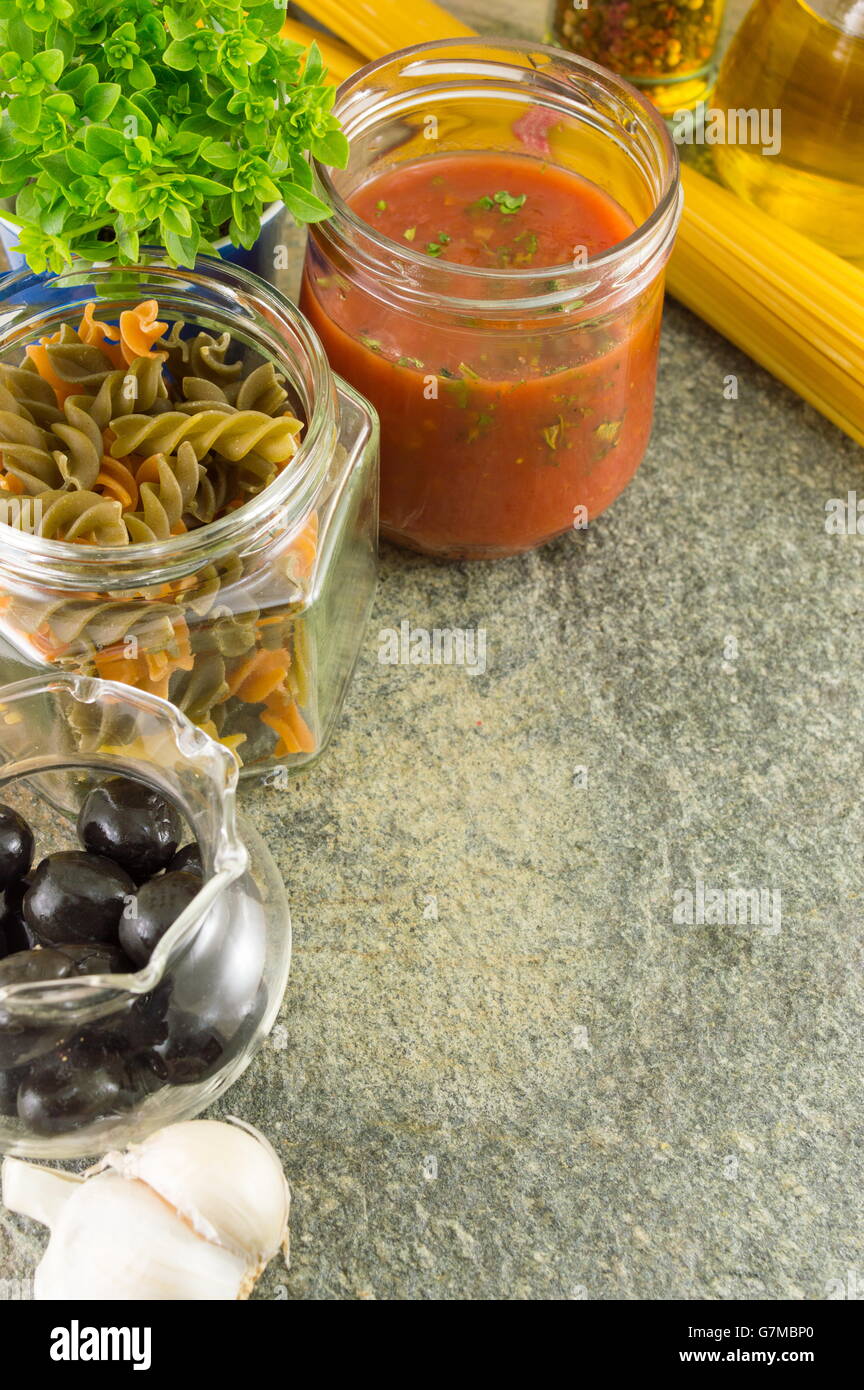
(502, 1070)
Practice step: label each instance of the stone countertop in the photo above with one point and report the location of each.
(502, 1069)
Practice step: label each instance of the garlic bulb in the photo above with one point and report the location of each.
(196, 1211)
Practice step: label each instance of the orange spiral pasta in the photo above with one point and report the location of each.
(139, 330)
(98, 334)
(284, 718)
(116, 480)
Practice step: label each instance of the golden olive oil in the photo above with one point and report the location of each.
(807, 61)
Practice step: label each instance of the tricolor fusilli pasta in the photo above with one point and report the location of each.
(128, 435)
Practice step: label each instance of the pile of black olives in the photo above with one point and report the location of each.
(101, 910)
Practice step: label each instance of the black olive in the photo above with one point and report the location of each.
(196, 1048)
(141, 1024)
(77, 897)
(20, 1040)
(95, 958)
(9, 1084)
(191, 1052)
(157, 907)
(13, 929)
(27, 967)
(132, 824)
(188, 860)
(79, 1083)
(16, 846)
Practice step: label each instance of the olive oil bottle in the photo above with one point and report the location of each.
(807, 61)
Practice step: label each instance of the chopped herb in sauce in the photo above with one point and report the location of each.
(435, 248)
(553, 433)
(526, 250)
(506, 203)
(609, 431)
(509, 202)
(410, 233)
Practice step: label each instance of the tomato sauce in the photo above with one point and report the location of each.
(496, 436)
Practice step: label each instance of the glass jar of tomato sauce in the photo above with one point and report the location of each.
(492, 280)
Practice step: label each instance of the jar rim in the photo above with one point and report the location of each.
(292, 490)
(657, 227)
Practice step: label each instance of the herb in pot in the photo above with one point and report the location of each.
(129, 122)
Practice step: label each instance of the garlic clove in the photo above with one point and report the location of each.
(37, 1192)
(193, 1212)
(224, 1180)
(115, 1239)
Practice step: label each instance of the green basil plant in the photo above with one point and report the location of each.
(129, 123)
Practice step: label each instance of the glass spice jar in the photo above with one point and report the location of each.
(667, 48)
(250, 624)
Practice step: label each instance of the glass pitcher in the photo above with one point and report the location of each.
(150, 1046)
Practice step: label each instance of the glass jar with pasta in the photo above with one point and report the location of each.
(188, 500)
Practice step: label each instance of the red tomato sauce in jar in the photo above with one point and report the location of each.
(495, 436)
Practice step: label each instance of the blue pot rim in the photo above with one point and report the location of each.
(222, 244)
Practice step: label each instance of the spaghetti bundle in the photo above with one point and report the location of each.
(376, 27)
(794, 307)
(339, 60)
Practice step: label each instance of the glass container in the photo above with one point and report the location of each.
(166, 1040)
(250, 624)
(462, 361)
(801, 67)
(667, 48)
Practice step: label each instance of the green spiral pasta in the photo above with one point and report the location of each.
(28, 453)
(13, 406)
(196, 692)
(77, 363)
(82, 627)
(99, 725)
(198, 356)
(80, 515)
(261, 390)
(213, 490)
(195, 388)
(82, 441)
(164, 503)
(228, 633)
(139, 388)
(253, 473)
(216, 579)
(34, 398)
(232, 435)
(206, 403)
